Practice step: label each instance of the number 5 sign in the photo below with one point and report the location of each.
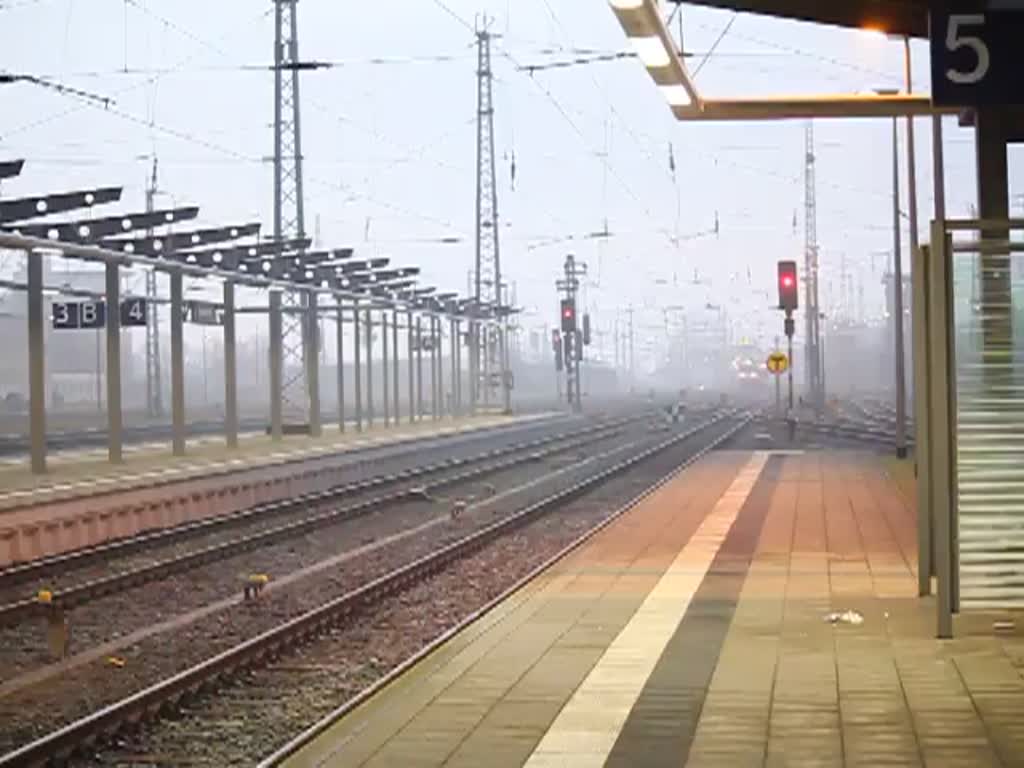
(976, 57)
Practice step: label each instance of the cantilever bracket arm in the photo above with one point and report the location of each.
(642, 22)
(680, 73)
(851, 105)
(647, 30)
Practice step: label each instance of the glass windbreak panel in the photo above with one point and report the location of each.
(988, 295)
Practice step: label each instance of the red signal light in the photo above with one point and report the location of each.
(568, 316)
(787, 286)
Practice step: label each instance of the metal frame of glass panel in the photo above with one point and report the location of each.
(971, 478)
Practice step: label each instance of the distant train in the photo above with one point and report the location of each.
(748, 371)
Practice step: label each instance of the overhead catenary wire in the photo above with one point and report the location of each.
(611, 106)
(128, 89)
(714, 46)
(780, 50)
(795, 51)
(572, 123)
(576, 128)
(10, 78)
(227, 151)
(472, 28)
(604, 93)
(239, 156)
(577, 57)
(417, 152)
(581, 57)
(10, 5)
(143, 8)
(310, 64)
(573, 117)
(452, 14)
(584, 59)
(630, 129)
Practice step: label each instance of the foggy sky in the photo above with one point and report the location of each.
(390, 147)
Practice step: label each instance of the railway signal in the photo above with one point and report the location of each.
(568, 315)
(572, 339)
(586, 330)
(788, 302)
(788, 294)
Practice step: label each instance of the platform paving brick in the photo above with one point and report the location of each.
(868, 566)
(663, 720)
(634, 675)
(788, 687)
(602, 600)
(733, 727)
(881, 693)
(524, 660)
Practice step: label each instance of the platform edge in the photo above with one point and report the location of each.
(303, 739)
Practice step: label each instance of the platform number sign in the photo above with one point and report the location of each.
(65, 315)
(203, 313)
(133, 312)
(91, 315)
(977, 57)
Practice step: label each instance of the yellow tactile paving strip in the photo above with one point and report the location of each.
(488, 697)
(586, 729)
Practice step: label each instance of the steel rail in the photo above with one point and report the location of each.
(311, 733)
(66, 599)
(150, 702)
(342, 454)
(854, 431)
(21, 572)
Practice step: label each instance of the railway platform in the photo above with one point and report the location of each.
(84, 501)
(74, 472)
(760, 608)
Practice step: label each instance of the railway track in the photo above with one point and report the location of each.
(190, 595)
(352, 462)
(290, 635)
(856, 422)
(15, 444)
(875, 432)
(315, 510)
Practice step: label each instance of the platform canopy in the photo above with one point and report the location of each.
(897, 17)
(647, 28)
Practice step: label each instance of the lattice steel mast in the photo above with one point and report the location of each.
(811, 267)
(154, 382)
(488, 347)
(289, 219)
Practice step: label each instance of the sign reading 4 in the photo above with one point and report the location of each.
(133, 312)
